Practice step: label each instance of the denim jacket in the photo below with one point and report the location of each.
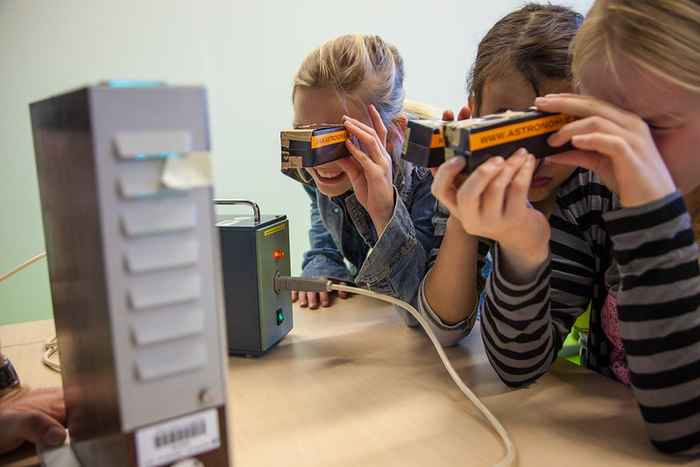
(344, 242)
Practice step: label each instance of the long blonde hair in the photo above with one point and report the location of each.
(659, 36)
(357, 66)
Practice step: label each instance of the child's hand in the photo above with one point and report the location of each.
(464, 113)
(36, 416)
(313, 299)
(493, 203)
(448, 116)
(615, 144)
(370, 172)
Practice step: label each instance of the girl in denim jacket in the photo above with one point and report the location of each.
(371, 212)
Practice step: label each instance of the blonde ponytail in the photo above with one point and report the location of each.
(415, 110)
(660, 36)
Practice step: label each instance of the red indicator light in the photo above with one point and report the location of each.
(278, 255)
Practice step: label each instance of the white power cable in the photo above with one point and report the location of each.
(51, 346)
(24, 265)
(51, 349)
(509, 458)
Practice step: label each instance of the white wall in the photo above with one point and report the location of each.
(245, 52)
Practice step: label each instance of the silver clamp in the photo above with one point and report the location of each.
(239, 202)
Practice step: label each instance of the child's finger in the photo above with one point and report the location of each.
(351, 167)
(342, 293)
(312, 297)
(477, 182)
(295, 296)
(601, 153)
(378, 124)
(39, 429)
(469, 194)
(589, 160)
(443, 187)
(369, 139)
(597, 153)
(448, 116)
(586, 106)
(325, 299)
(363, 126)
(610, 146)
(618, 163)
(493, 199)
(465, 113)
(360, 156)
(584, 126)
(562, 94)
(520, 185)
(303, 301)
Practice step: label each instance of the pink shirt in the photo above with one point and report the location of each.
(611, 327)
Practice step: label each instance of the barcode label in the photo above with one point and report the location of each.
(177, 439)
(179, 434)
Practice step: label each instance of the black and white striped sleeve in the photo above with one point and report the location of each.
(524, 325)
(659, 312)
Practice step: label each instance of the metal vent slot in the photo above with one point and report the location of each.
(164, 289)
(170, 359)
(159, 253)
(152, 144)
(151, 327)
(140, 179)
(158, 216)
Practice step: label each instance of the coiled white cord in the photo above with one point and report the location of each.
(24, 265)
(51, 349)
(51, 346)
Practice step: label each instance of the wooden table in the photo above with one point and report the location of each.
(353, 386)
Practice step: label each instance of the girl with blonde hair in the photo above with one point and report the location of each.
(371, 212)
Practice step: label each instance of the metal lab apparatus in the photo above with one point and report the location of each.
(135, 273)
(254, 249)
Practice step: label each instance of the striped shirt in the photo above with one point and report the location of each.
(573, 279)
(577, 241)
(651, 253)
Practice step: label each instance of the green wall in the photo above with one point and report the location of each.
(26, 296)
(244, 53)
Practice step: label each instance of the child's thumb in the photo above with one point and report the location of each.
(40, 429)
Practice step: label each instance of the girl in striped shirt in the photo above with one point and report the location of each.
(639, 132)
(524, 55)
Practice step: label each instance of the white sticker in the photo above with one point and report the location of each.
(190, 170)
(177, 439)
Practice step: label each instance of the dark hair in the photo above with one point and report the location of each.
(533, 40)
